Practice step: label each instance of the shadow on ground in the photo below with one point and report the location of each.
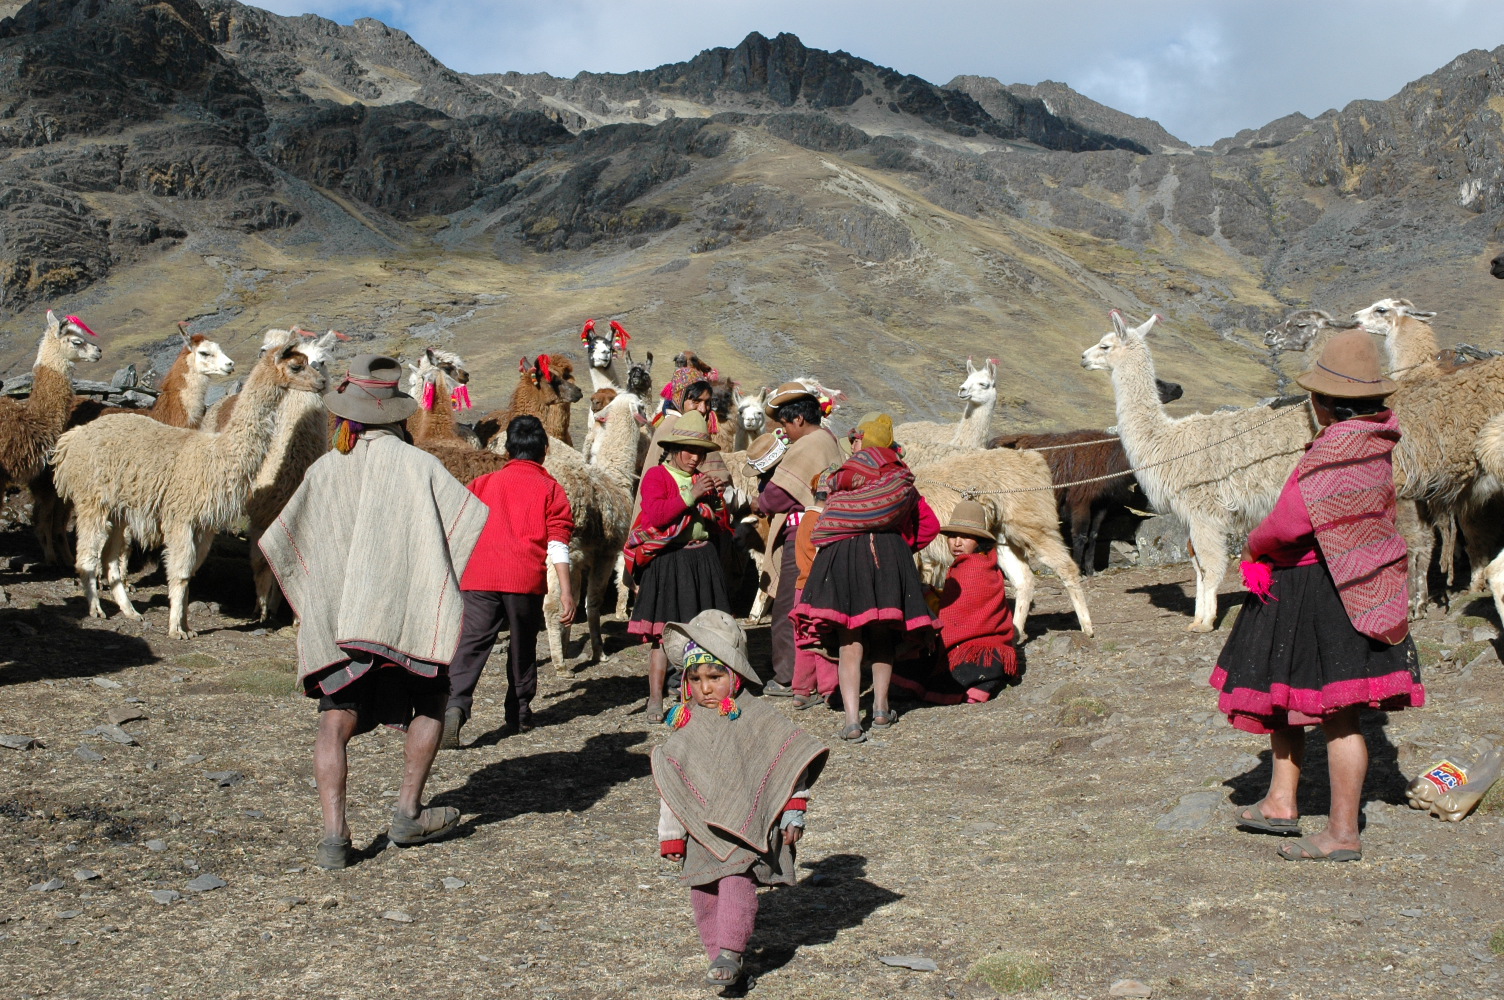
(49, 642)
(1384, 783)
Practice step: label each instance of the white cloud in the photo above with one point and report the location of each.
(1203, 69)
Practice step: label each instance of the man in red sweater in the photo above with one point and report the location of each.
(528, 529)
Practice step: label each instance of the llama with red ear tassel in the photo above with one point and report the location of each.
(545, 389)
(604, 350)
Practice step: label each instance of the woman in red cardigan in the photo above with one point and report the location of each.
(528, 529)
(682, 521)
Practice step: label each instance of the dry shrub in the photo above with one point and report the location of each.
(1496, 943)
(1011, 973)
(197, 661)
(275, 676)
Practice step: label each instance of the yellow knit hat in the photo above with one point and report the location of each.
(878, 432)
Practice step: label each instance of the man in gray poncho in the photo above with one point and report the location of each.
(369, 553)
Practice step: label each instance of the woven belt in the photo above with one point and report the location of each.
(793, 519)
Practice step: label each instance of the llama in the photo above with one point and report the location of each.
(29, 428)
(435, 382)
(434, 430)
(1228, 467)
(620, 432)
(545, 388)
(195, 483)
(182, 398)
(924, 440)
(1304, 329)
(751, 418)
(600, 354)
(1496, 266)
(1025, 522)
(301, 438)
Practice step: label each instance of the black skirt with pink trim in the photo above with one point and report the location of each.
(676, 586)
(867, 580)
(1297, 660)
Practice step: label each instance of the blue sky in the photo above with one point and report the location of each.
(1203, 68)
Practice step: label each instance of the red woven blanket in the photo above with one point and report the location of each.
(645, 543)
(1347, 482)
(872, 492)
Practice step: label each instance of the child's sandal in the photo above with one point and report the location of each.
(803, 701)
(725, 962)
(853, 733)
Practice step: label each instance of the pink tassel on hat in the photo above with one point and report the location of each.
(1258, 577)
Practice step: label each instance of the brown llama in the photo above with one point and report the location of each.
(433, 428)
(545, 388)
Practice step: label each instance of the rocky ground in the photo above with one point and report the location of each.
(1074, 833)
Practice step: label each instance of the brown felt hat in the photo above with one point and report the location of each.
(691, 431)
(718, 634)
(787, 393)
(969, 518)
(764, 454)
(368, 393)
(1348, 368)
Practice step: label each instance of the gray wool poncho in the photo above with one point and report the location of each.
(369, 552)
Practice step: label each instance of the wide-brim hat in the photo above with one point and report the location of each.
(691, 431)
(718, 634)
(787, 393)
(368, 393)
(764, 454)
(1348, 368)
(969, 518)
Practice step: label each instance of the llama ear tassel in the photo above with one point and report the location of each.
(588, 329)
(622, 336)
(543, 372)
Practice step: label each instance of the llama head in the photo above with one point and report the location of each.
(320, 349)
(1496, 266)
(561, 377)
(980, 387)
(1116, 346)
(1168, 391)
(206, 358)
(73, 337)
(749, 411)
(640, 376)
(600, 399)
(601, 348)
(292, 369)
(1383, 316)
(1297, 331)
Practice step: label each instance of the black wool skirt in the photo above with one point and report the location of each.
(867, 580)
(1298, 659)
(676, 586)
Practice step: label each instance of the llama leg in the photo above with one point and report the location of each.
(556, 645)
(1081, 548)
(1494, 574)
(115, 554)
(92, 535)
(600, 576)
(1419, 542)
(1210, 560)
(1021, 580)
(181, 551)
(1099, 516)
(268, 594)
(1051, 551)
(623, 590)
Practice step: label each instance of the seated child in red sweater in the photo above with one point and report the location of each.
(528, 529)
(733, 780)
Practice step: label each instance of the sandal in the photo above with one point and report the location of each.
(882, 720)
(430, 824)
(803, 701)
(725, 962)
(854, 734)
(1253, 818)
(333, 854)
(1301, 849)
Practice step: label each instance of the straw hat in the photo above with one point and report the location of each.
(1348, 369)
(691, 431)
(877, 432)
(368, 394)
(766, 452)
(718, 634)
(787, 393)
(969, 518)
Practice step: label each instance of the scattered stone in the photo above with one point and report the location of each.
(69, 914)
(254, 814)
(224, 779)
(400, 916)
(156, 846)
(206, 883)
(916, 962)
(165, 896)
(19, 742)
(106, 683)
(84, 753)
(123, 714)
(47, 886)
(1484, 633)
(328, 903)
(1451, 635)
(259, 631)
(135, 700)
(286, 903)
(114, 734)
(1411, 912)
(455, 883)
(1129, 988)
(1354, 917)
(193, 758)
(1194, 811)
(1450, 970)
(85, 875)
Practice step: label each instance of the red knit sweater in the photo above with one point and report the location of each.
(529, 509)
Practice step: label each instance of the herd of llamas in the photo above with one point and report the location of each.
(233, 465)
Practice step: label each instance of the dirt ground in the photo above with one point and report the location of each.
(1015, 844)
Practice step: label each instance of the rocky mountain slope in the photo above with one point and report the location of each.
(780, 208)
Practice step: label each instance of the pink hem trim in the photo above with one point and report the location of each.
(830, 616)
(1393, 691)
(649, 631)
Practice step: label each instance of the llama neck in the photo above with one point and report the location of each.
(556, 418)
(605, 378)
(51, 386)
(1140, 413)
(181, 400)
(616, 443)
(976, 419)
(293, 413)
(438, 423)
(236, 455)
(1412, 349)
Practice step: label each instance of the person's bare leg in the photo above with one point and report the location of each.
(881, 647)
(418, 752)
(1289, 747)
(849, 668)
(1347, 766)
(331, 768)
(657, 673)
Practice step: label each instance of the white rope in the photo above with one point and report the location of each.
(967, 494)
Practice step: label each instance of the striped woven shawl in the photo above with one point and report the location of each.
(1347, 482)
(873, 491)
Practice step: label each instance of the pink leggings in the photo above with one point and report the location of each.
(725, 912)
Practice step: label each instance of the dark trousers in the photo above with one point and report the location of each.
(783, 603)
(486, 612)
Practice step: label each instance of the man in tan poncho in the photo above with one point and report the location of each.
(369, 553)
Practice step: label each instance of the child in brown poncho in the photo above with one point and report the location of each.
(733, 781)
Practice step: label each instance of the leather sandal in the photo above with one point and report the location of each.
(725, 962)
(854, 734)
(333, 853)
(882, 720)
(430, 824)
